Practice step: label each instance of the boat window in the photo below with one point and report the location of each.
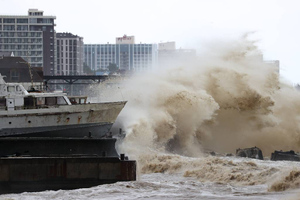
(2, 102)
(82, 100)
(11, 88)
(50, 101)
(73, 100)
(61, 101)
(29, 101)
(18, 88)
(40, 101)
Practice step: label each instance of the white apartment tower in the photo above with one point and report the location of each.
(127, 55)
(31, 37)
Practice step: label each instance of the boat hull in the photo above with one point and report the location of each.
(93, 120)
(85, 130)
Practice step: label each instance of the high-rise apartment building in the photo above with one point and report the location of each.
(125, 54)
(69, 54)
(31, 37)
(169, 56)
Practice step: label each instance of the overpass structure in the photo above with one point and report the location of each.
(81, 82)
(75, 79)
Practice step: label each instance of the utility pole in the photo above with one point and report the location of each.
(29, 68)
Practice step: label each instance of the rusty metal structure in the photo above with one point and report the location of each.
(285, 155)
(48, 142)
(253, 152)
(52, 114)
(37, 164)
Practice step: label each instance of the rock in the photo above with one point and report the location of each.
(253, 152)
(285, 155)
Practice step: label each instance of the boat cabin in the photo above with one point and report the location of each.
(78, 99)
(13, 96)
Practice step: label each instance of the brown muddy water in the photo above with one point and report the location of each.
(227, 98)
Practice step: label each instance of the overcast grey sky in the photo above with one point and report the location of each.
(189, 23)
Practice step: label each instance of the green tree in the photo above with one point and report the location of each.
(112, 67)
(87, 69)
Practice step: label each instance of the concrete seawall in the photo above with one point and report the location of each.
(19, 174)
(37, 164)
(49, 147)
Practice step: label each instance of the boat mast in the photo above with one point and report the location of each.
(29, 68)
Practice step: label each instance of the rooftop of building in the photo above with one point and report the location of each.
(66, 35)
(112, 44)
(6, 54)
(22, 67)
(32, 12)
(26, 16)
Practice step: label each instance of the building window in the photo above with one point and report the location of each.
(22, 20)
(33, 20)
(8, 20)
(9, 27)
(14, 75)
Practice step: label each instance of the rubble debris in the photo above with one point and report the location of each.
(285, 155)
(253, 152)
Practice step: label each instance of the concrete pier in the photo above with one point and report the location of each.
(20, 174)
(37, 164)
(49, 147)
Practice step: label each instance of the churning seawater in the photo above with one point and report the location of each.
(190, 178)
(227, 98)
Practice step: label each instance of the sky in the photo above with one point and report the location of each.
(190, 23)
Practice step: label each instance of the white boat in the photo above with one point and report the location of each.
(52, 114)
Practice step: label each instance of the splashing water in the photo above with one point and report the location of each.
(228, 98)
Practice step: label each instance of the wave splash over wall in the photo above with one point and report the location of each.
(227, 98)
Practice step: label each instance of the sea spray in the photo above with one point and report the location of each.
(228, 98)
(290, 181)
